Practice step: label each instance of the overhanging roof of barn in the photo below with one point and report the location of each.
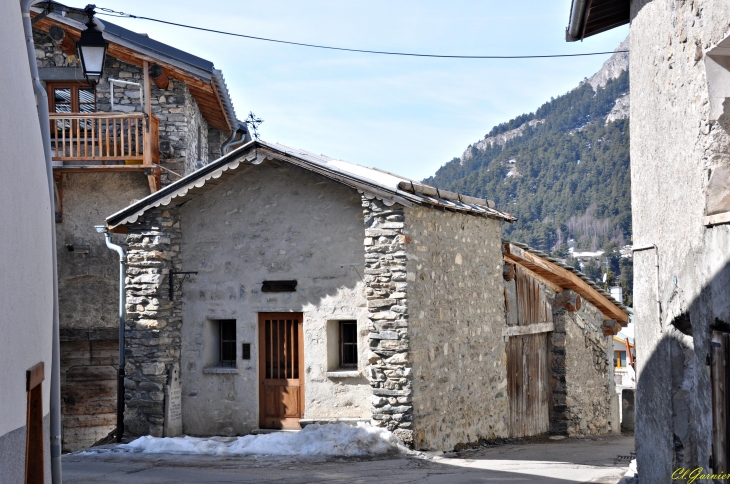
(556, 274)
(591, 17)
(372, 182)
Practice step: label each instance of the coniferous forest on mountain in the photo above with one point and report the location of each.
(566, 177)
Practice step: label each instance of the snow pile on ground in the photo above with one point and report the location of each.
(314, 440)
(631, 476)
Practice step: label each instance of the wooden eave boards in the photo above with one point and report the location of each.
(566, 280)
(205, 93)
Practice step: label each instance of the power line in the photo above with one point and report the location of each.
(113, 13)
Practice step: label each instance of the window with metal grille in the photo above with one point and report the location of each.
(348, 344)
(227, 342)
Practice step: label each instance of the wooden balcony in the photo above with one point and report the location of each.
(105, 141)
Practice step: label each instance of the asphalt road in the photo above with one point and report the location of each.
(594, 460)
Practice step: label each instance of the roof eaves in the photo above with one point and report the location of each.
(155, 199)
(582, 276)
(195, 66)
(225, 95)
(309, 161)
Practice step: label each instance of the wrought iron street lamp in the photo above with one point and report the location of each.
(91, 48)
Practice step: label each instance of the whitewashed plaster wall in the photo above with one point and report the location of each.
(676, 148)
(26, 281)
(271, 222)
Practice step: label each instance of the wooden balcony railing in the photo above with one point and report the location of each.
(105, 139)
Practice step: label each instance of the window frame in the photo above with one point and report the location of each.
(74, 87)
(617, 359)
(227, 363)
(343, 343)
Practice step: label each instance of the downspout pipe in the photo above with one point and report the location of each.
(45, 125)
(122, 316)
(244, 138)
(656, 278)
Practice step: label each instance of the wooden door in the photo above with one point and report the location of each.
(34, 458)
(720, 378)
(528, 379)
(281, 370)
(527, 383)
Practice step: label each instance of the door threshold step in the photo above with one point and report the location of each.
(272, 431)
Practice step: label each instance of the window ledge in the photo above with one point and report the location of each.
(220, 370)
(343, 374)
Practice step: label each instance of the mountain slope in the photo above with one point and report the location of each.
(562, 170)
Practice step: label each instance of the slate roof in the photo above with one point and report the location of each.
(371, 181)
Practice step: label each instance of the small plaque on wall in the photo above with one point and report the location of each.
(245, 351)
(279, 286)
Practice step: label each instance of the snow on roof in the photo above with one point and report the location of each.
(378, 183)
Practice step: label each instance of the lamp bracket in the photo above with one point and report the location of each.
(173, 287)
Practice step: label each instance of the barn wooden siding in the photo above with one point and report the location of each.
(528, 379)
(532, 304)
(89, 360)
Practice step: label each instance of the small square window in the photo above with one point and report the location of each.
(227, 351)
(348, 344)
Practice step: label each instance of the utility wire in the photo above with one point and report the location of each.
(113, 13)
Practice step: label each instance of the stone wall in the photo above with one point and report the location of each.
(390, 371)
(272, 221)
(456, 316)
(675, 149)
(154, 323)
(582, 373)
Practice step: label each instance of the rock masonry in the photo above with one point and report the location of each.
(582, 373)
(154, 322)
(390, 371)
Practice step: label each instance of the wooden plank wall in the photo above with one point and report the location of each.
(527, 382)
(88, 391)
(532, 304)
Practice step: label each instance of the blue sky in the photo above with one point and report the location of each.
(405, 115)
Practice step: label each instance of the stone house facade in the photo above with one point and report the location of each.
(386, 295)
(680, 133)
(194, 117)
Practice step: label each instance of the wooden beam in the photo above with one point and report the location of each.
(611, 327)
(152, 183)
(565, 279)
(535, 275)
(529, 329)
(508, 271)
(568, 300)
